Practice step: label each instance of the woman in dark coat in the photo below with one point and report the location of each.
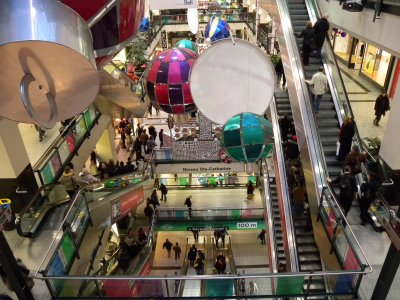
(382, 105)
(308, 36)
(346, 134)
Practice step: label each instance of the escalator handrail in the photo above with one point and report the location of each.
(184, 269)
(280, 161)
(232, 264)
(27, 206)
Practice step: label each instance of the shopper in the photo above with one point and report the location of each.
(261, 236)
(152, 131)
(286, 126)
(280, 74)
(348, 189)
(319, 86)
(223, 233)
(164, 192)
(220, 266)
(299, 195)
(308, 36)
(161, 137)
(354, 160)
(87, 177)
(253, 289)
(154, 198)
(368, 195)
(177, 251)
(250, 190)
(128, 134)
(217, 236)
(139, 130)
(148, 212)
(70, 181)
(41, 132)
(143, 139)
(142, 236)
(195, 234)
(199, 266)
(347, 131)
(292, 150)
(192, 253)
(188, 203)
(151, 144)
(321, 28)
(167, 245)
(382, 105)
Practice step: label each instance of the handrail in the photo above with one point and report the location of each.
(208, 209)
(179, 291)
(232, 263)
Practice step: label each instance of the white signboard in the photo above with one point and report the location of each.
(200, 168)
(172, 4)
(246, 225)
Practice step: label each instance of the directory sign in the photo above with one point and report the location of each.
(173, 4)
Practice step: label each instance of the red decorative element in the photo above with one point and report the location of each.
(87, 9)
(223, 157)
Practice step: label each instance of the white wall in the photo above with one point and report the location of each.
(383, 32)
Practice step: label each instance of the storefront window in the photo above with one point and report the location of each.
(342, 46)
(376, 64)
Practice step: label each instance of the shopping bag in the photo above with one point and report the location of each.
(337, 148)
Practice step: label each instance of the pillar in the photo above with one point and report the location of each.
(16, 170)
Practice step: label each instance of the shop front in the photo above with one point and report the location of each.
(375, 64)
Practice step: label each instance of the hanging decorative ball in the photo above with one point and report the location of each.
(145, 25)
(343, 34)
(186, 44)
(247, 86)
(193, 19)
(113, 31)
(217, 29)
(247, 137)
(167, 81)
(223, 157)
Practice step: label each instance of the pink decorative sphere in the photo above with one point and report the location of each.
(167, 81)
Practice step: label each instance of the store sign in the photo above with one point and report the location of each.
(121, 206)
(164, 40)
(173, 4)
(247, 225)
(209, 225)
(201, 168)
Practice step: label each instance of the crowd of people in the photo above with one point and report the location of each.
(130, 248)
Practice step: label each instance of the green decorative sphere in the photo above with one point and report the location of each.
(247, 137)
(187, 44)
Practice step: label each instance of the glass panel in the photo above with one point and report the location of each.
(66, 148)
(51, 168)
(80, 130)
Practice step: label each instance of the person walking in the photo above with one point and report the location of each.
(217, 236)
(164, 192)
(348, 189)
(280, 73)
(188, 203)
(223, 233)
(148, 212)
(143, 139)
(261, 236)
(286, 126)
(220, 266)
(308, 36)
(319, 86)
(177, 251)
(253, 289)
(382, 105)
(41, 132)
(70, 181)
(154, 198)
(199, 266)
(250, 190)
(299, 195)
(87, 177)
(321, 28)
(192, 253)
(368, 195)
(161, 137)
(354, 160)
(195, 234)
(167, 245)
(346, 134)
(151, 144)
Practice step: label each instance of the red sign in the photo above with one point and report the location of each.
(121, 206)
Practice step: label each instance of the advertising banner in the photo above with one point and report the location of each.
(121, 206)
(173, 4)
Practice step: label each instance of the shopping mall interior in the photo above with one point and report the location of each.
(225, 149)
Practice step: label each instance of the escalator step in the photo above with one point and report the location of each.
(297, 6)
(298, 12)
(311, 257)
(300, 18)
(330, 150)
(310, 267)
(307, 249)
(305, 240)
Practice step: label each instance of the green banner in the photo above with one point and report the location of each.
(290, 286)
(201, 225)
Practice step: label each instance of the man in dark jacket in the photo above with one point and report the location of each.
(308, 36)
(167, 245)
(382, 105)
(348, 189)
(321, 28)
(368, 195)
(354, 160)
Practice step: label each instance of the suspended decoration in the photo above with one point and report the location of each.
(215, 5)
(339, 32)
(223, 157)
(167, 81)
(247, 137)
(193, 20)
(48, 69)
(113, 31)
(247, 86)
(217, 29)
(145, 25)
(186, 44)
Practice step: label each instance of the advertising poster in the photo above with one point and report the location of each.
(121, 206)
(80, 129)
(67, 147)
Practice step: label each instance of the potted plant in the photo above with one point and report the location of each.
(136, 53)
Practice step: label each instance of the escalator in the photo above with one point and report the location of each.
(326, 119)
(53, 198)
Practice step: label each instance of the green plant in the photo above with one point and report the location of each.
(373, 144)
(136, 51)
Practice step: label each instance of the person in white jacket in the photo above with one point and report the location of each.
(253, 289)
(319, 86)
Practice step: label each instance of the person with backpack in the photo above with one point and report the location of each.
(368, 195)
(223, 233)
(154, 198)
(164, 192)
(348, 189)
(192, 253)
(167, 245)
(199, 266)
